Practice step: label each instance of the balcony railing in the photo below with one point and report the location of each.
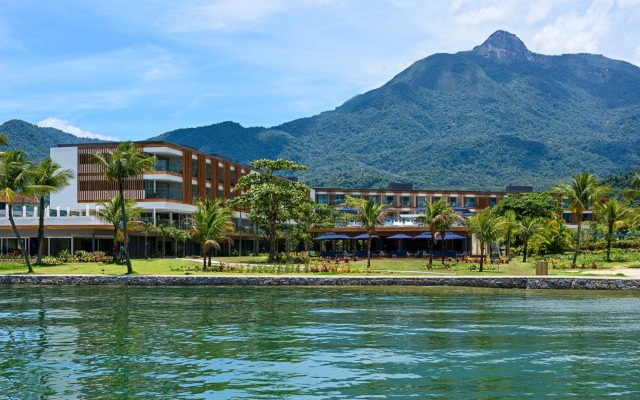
(169, 194)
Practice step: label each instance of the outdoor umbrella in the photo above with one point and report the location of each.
(424, 235)
(400, 236)
(364, 236)
(332, 236)
(451, 236)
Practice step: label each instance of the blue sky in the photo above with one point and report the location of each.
(135, 69)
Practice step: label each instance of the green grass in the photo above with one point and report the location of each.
(389, 266)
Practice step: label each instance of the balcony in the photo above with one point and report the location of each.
(167, 194)
(168, 166)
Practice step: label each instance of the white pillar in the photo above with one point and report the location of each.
(72, 245)
(47, 211)
(97, 210)
(35, 211)
(58, 211)
(68, 212)
(24, 211)
(87, 209)
(154, 217)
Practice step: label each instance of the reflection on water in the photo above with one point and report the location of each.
(320, 343)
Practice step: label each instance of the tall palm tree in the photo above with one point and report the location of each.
(15, 176)
(487, 227)
(110, 212)
(126, 162)
(614, 215)
(511, 226)
(528, 227)
(47, 177)
(163, 231)
(371, 215)
(211, 225)
(145, 228)
(583, 191)
(439, 217)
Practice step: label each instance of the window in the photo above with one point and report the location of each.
(374, 198)
(207, 172)
(233, 177)
(422, 201)
(194, 191)
(406, 201)
(567, 217)
(220, 193)
(470, 202)
(220, 173)
(389, 199)
(339, 199)
(587, 217)
(453, 201)
(194, 168)
(436, 199)
(208, 193)
(493, 201)
(321, 199)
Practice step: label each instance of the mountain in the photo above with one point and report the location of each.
(35, 140)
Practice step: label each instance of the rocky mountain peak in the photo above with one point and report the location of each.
(503, 45)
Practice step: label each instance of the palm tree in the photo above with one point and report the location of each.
(182, 236)
(47, 177)
(163, 231)
(145, 228)
(15, 176)
(439, 217)
(634, 193)
(511, 226)
(581, 193)
(487, 227)
(371, 215)
(211, 225)
(527, 228)
(110, 212)
(126, 162)
(614, 215)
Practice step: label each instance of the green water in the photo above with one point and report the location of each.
(316, 343)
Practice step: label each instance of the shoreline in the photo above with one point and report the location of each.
(511, 282)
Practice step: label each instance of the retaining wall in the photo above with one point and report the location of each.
(555, 282)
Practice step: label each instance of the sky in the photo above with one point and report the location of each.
(130, 70)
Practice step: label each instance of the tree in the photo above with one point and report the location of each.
(163, 231)
(4, 139)
(439, 217)
(15, 176)
(211, 225)
(633, 193)
(271, 198)
(183, 236)
(371, 215)
(511, 226)
(487, 227)
(581, 193)
(310, 215)
(535, 205)
(110, 212)
(127, 161)
(613, 215)
(528, 227)
(47, 177)
(145, 228)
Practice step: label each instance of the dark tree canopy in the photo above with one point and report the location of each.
(534, 205)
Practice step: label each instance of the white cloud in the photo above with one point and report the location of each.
(65, 126)
(575, 32)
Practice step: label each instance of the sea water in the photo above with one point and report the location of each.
(316, 343)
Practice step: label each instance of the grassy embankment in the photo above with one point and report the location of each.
(257, 265)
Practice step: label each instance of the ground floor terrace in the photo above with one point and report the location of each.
(393, 241)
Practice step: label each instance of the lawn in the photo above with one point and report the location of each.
(388, 266)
